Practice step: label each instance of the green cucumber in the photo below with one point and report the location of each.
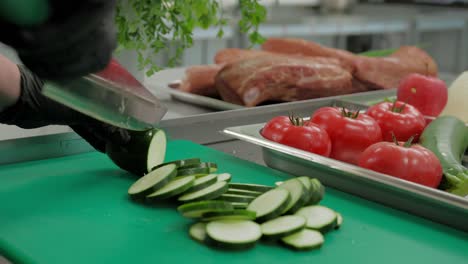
(278, 183)
(197, 172)
(143, 151)
(250, 187)
(197, 231)
(233, 234)
(447, 138)
(180, 163)
(317, 191)
(239, 214)
(318, 217)
(203, 182)
(236, 198)
(211, 192)
(224, 177)
(172, 188)
(239, 205)
(152, 181)
(305, 239)
(339, 220)
(213, 167)
(299, 195)
(283, 226)
(243, 192)
(197, 209)
(270, 204)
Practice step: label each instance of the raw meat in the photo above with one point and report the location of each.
(253, 81)
(380, 73)
(199, 79)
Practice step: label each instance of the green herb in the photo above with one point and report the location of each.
(154, 26)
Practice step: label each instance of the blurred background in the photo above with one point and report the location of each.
(440, 27)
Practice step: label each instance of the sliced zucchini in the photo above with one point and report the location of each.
(240, 205)
(270, 204)
(229, 215)
(197, 231)
(144, 150)
(299, 195)
(233, 234)
(203, 182)
(305, 239)
(339, 220)
(152, 181)
(318, 217)
(180, 163)
(283, 226)
(224, 177)
(308, 186)
(211, 192)
(197, 172)
(172, 188)
(236, 198)
(243, 192)
(278, 183)
(317, 192)
(213, 167)
(250, 187)
(197, 209)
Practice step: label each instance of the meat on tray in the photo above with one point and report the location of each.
(288, 69)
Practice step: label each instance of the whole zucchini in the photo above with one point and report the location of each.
(447, 137)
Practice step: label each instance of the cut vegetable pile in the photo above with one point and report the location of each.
(232, 215)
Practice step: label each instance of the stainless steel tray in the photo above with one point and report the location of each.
(417, 199)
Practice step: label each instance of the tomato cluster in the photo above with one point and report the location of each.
(379, 139)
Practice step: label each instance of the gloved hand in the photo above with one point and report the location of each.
(77, 38)
(34, 110)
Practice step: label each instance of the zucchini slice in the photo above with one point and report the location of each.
(197, 209)
(299, 195)
(317, 192)
(305, 239)
(283, 226)
(229, 215)
(144, 150)
(308, 187)
(224, 177)
(240, 205)
(250, 187)
(236, 198)
(318, 217)
(152, 181)
(270, 204)
(213, 167)
(243, 192)
(233, 234)
(197, 231)
(180, 163)
(339, 220)
(197, 172)
(172, 188)
(211, 192)
(203, 182)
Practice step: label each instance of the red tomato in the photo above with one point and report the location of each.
(403, 120)
(349, 135)
(428, 94)
(275, 128)
(415, 163)
(308, 137)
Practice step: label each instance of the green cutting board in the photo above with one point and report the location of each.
(75, 210)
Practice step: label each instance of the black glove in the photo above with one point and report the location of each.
(77, 39)
(34, 110)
